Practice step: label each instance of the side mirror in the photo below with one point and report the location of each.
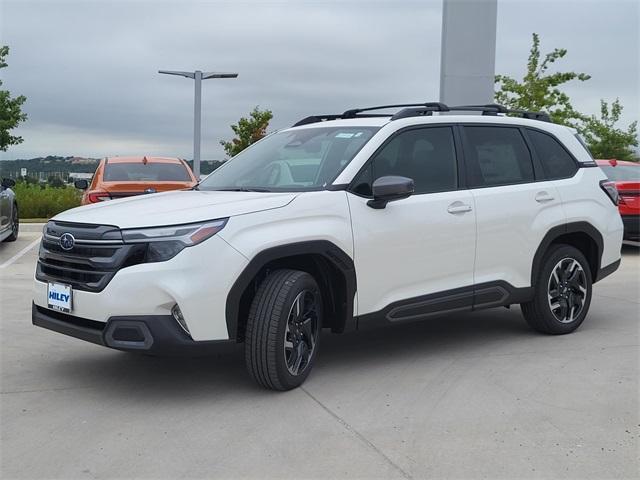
(81, 184)
(8, 182)
(389, 189)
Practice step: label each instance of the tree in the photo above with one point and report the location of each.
(55, 182)
(10, 110)
(248, 131)
(604, 139)
(538, 90)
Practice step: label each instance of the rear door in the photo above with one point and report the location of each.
(421, 245)
(515, 205)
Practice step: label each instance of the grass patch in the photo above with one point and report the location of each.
(43, 201)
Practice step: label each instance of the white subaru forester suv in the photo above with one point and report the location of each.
(341, 222)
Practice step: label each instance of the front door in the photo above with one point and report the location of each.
(410, 255)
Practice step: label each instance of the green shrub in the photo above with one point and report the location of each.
(41, 201)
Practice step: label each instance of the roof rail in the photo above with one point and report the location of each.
(495, 109)
(420, 109)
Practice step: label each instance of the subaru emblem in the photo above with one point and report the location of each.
(67, 241)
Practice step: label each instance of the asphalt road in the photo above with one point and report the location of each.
(463, 396)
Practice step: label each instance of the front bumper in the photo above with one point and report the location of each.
(198, 279)
(631, 227)
(157, 334)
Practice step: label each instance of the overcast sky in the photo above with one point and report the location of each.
(88, 68)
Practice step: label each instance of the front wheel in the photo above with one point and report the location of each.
(562, 292)
(283, 329)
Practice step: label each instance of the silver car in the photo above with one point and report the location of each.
(8, 212)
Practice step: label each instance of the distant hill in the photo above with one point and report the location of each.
(62, 166)
(49, 164)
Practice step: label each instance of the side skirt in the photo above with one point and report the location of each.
(465, 299)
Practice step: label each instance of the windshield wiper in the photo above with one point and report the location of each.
(242, 189)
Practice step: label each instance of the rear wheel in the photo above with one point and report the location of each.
(283, 330)
(15, 225)
(562, 292)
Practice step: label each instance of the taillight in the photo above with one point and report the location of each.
(96, 197)
(610, 189)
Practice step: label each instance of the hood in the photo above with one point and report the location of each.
(173, 208)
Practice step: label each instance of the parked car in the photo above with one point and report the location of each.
(118, 177)
(341, 222)
(626, 176)
(9, 218)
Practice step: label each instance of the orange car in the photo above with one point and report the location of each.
(118, 177)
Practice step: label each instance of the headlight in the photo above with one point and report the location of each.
(167, 242)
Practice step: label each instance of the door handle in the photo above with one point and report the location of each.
(458, 207)
(543, 197)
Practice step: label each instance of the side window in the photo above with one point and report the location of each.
(557, 163)
(497, 156)
(426, 155)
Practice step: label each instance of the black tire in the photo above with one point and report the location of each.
(15, 225)
(269, 361)
(572, 304)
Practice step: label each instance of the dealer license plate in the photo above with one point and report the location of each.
(60, 297)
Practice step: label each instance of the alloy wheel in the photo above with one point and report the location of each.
(567, 290)
(301, 332)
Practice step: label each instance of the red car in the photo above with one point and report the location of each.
(626, 176)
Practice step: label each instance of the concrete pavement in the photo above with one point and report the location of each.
(460, 396)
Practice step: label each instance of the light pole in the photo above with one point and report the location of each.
(198, 76)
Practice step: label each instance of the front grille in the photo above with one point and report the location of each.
(97, 255)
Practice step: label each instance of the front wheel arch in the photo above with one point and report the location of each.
(332, 268)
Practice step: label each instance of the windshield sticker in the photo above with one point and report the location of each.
(344, 135)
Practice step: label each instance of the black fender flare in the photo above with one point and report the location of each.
(555, 232)
(328, 250)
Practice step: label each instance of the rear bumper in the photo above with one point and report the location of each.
(631, 227)
(157, 334)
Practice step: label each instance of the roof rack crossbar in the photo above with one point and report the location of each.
(421, 109)
(415, 112)
(437, 106)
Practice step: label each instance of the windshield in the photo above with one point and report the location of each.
(294, 160)
(622, 173)
(145, 172)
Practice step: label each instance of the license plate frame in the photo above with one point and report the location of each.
(60, 297)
